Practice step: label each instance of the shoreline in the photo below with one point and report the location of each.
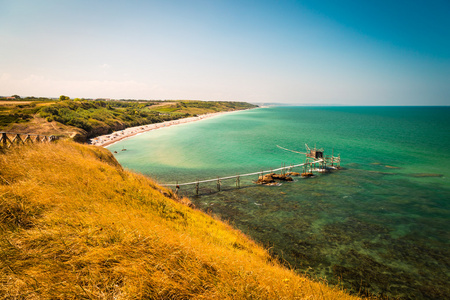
(116, 136)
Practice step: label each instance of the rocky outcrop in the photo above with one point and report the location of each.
(265, 179)
(270, 178)
(292, 174)
(282, 177)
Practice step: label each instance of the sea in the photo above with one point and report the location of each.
(378, 226)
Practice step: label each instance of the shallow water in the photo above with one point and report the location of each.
(379, 225)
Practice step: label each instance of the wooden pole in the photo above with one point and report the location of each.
(17, 140)
(332, 156)
(4, 138)
(218, 184)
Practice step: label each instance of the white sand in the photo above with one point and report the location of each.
(106, 140)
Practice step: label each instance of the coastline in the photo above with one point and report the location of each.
(112, 138)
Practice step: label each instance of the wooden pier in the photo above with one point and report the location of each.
(315, 161)
(8, 139)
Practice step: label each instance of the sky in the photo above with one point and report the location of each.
(385, 52)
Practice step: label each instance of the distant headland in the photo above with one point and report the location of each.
(84, 119)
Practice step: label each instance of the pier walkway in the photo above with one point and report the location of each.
(319, 165)
(316, 161)
(243, 175)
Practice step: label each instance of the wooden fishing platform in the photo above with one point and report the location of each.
(315, 161)
(8, 139)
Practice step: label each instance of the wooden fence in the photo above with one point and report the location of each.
(8, 139)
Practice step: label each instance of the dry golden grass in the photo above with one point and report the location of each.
(75, 225)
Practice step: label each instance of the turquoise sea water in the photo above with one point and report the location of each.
(380, 225)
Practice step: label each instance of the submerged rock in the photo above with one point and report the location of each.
(426, 175)
(383, 173)
(392, 167)
(307, 174)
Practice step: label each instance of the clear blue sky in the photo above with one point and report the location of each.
(317, 52)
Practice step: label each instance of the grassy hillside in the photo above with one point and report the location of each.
(75, 225)
(82, 119)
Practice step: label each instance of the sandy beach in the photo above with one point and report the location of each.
(108, 139)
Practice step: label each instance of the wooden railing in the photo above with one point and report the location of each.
(8, 139)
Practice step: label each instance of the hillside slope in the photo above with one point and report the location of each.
(75, 225)
(83, 119)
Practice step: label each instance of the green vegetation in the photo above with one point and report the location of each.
(17, 113)
(75, 225)
(89, 115)
(91, 118)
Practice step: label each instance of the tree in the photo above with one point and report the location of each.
(62, 97)
(16, 96)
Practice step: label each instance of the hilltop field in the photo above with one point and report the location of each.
(75, 225)
(81, 119)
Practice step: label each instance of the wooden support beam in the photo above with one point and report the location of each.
(197, 187)
(17, 140)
